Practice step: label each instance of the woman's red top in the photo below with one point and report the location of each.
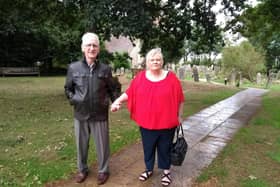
(155, 105)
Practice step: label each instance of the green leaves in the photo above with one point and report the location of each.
(121, 61)
(50, 31)
(261, 25)
(36, 31)
(244, 58)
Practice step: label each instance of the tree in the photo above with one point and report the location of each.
(38, 30)
(206, 36)
(157, 23)
(121, 60)
(273, 52)
(243, 58)
(50, 31)
(262, 27)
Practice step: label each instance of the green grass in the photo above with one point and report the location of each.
(254, 183)
(246, 83)
(37, 143)
(252, 158)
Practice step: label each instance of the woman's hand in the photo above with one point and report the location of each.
(115, 106)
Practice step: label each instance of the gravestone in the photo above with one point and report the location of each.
(217, 70)
(118, 72)
(195, 74)
(270, 78)
(122, 71)
(278, 75)
(208, 76)
(202, 69)
(259, 78)
(209, 73)
(238, 79)
(232, 78)
(182, 71)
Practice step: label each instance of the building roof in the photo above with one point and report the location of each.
(121, 44)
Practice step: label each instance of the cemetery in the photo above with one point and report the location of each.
(225, 54)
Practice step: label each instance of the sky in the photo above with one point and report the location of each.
(234, 39)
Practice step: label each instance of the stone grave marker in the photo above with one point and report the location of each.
(259, 78)
(195, 74)
(182, 72)
(232, 78)
(118, 72)
(278, 75)
(122, 71)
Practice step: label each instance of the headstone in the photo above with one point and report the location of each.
(271, 76)
(278, 75)
(195, 74)
(122, 71)
(208, 73)
(208, 77)
(118, 72)
(202, 69)
(182, 73)
(232, 78)
(238, 79)
(259, 78)
(217, 70)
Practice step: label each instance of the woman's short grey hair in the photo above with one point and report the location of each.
(154, 52)
(89, 35)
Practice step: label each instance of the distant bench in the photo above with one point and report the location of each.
(19, 71)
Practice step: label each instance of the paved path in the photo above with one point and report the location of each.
(207, 132)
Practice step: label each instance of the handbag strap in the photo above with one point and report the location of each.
(180, 127)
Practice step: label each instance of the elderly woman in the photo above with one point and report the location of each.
(155, 101)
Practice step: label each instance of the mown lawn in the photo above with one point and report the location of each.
(252, 158)
(36, 128)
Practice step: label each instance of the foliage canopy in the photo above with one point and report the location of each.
(243, 58)
(50, 31)
(261, 25)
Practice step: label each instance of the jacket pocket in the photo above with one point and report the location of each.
(80, 79)
(103, 75)
(81, 85)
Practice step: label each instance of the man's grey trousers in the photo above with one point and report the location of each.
(99, 130)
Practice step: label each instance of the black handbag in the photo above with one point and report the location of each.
(179, 148)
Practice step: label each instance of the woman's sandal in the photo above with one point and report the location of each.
(145, 175)
(165, 179)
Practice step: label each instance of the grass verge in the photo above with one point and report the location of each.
(252, 157)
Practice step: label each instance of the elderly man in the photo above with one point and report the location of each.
(89, 87)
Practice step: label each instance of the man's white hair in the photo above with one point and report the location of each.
(87, 36)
